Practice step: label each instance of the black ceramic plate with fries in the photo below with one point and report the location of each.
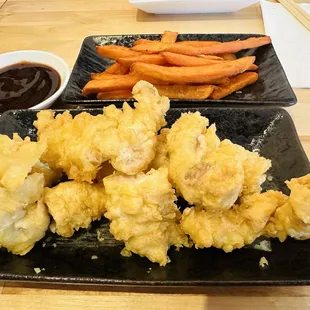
(271, 89)
(69, 260)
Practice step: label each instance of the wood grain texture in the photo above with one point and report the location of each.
(11, 288)
(305, 141)
(59, 26)
(150, 301)
(300, 111)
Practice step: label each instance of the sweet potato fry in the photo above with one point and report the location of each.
(152, 47)
(101, 76)
(149, 79)
(236, 83)
(115, 51)
(220, 81)
(98, 76)
(203, 74)
(169, 37)
(210, 57)
(143, 41)
(116, 94)
(105, 76)
(228, 56)
(253, 68)
(198, 43)
(171, 91)
(185, 91)
(150, 59)
(155, 46)
(187, 49)
(103, 85)
(187, 61)
(222, 48)
(116, 82)
(116, 68)
(193, 61)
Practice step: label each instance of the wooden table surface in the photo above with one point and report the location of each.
(59, 26)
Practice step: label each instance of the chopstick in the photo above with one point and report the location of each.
(297, 12)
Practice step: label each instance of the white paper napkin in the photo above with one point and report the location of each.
(291, 41)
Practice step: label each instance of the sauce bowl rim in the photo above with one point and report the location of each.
(63, 80)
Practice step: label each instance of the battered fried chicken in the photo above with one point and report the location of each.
(71, 142)
(254, 166)
(126, 138)
(161, 155)
(293, 217)
(200, 174)
(17, 157)
(20, 237)
(300, 197)
(143, 214)
(13, 205)
(131, 145)
(208, 172)
(23, 220)
(74, 205)
(231, 229)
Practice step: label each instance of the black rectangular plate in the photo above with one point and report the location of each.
(270, 130)
(272, 88)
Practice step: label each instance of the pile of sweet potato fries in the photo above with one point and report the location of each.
(179, 70)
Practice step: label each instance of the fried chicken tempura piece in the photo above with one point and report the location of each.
(131, 145)
(200, 174)
(13, 205)
(20, 237)
(161, 156)
(143, 214)
(71, 142)
(293, 217)
(300, 197)
(74, 205)
(23, 221)
(126, 138)
(17, 157)
(230, 229)
(254, 166)
(208, 172)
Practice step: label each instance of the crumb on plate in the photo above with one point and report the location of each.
(37, 270)
(100, 239)
(263, 262)
(126, 253)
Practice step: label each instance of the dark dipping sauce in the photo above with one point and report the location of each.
(26, 84)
